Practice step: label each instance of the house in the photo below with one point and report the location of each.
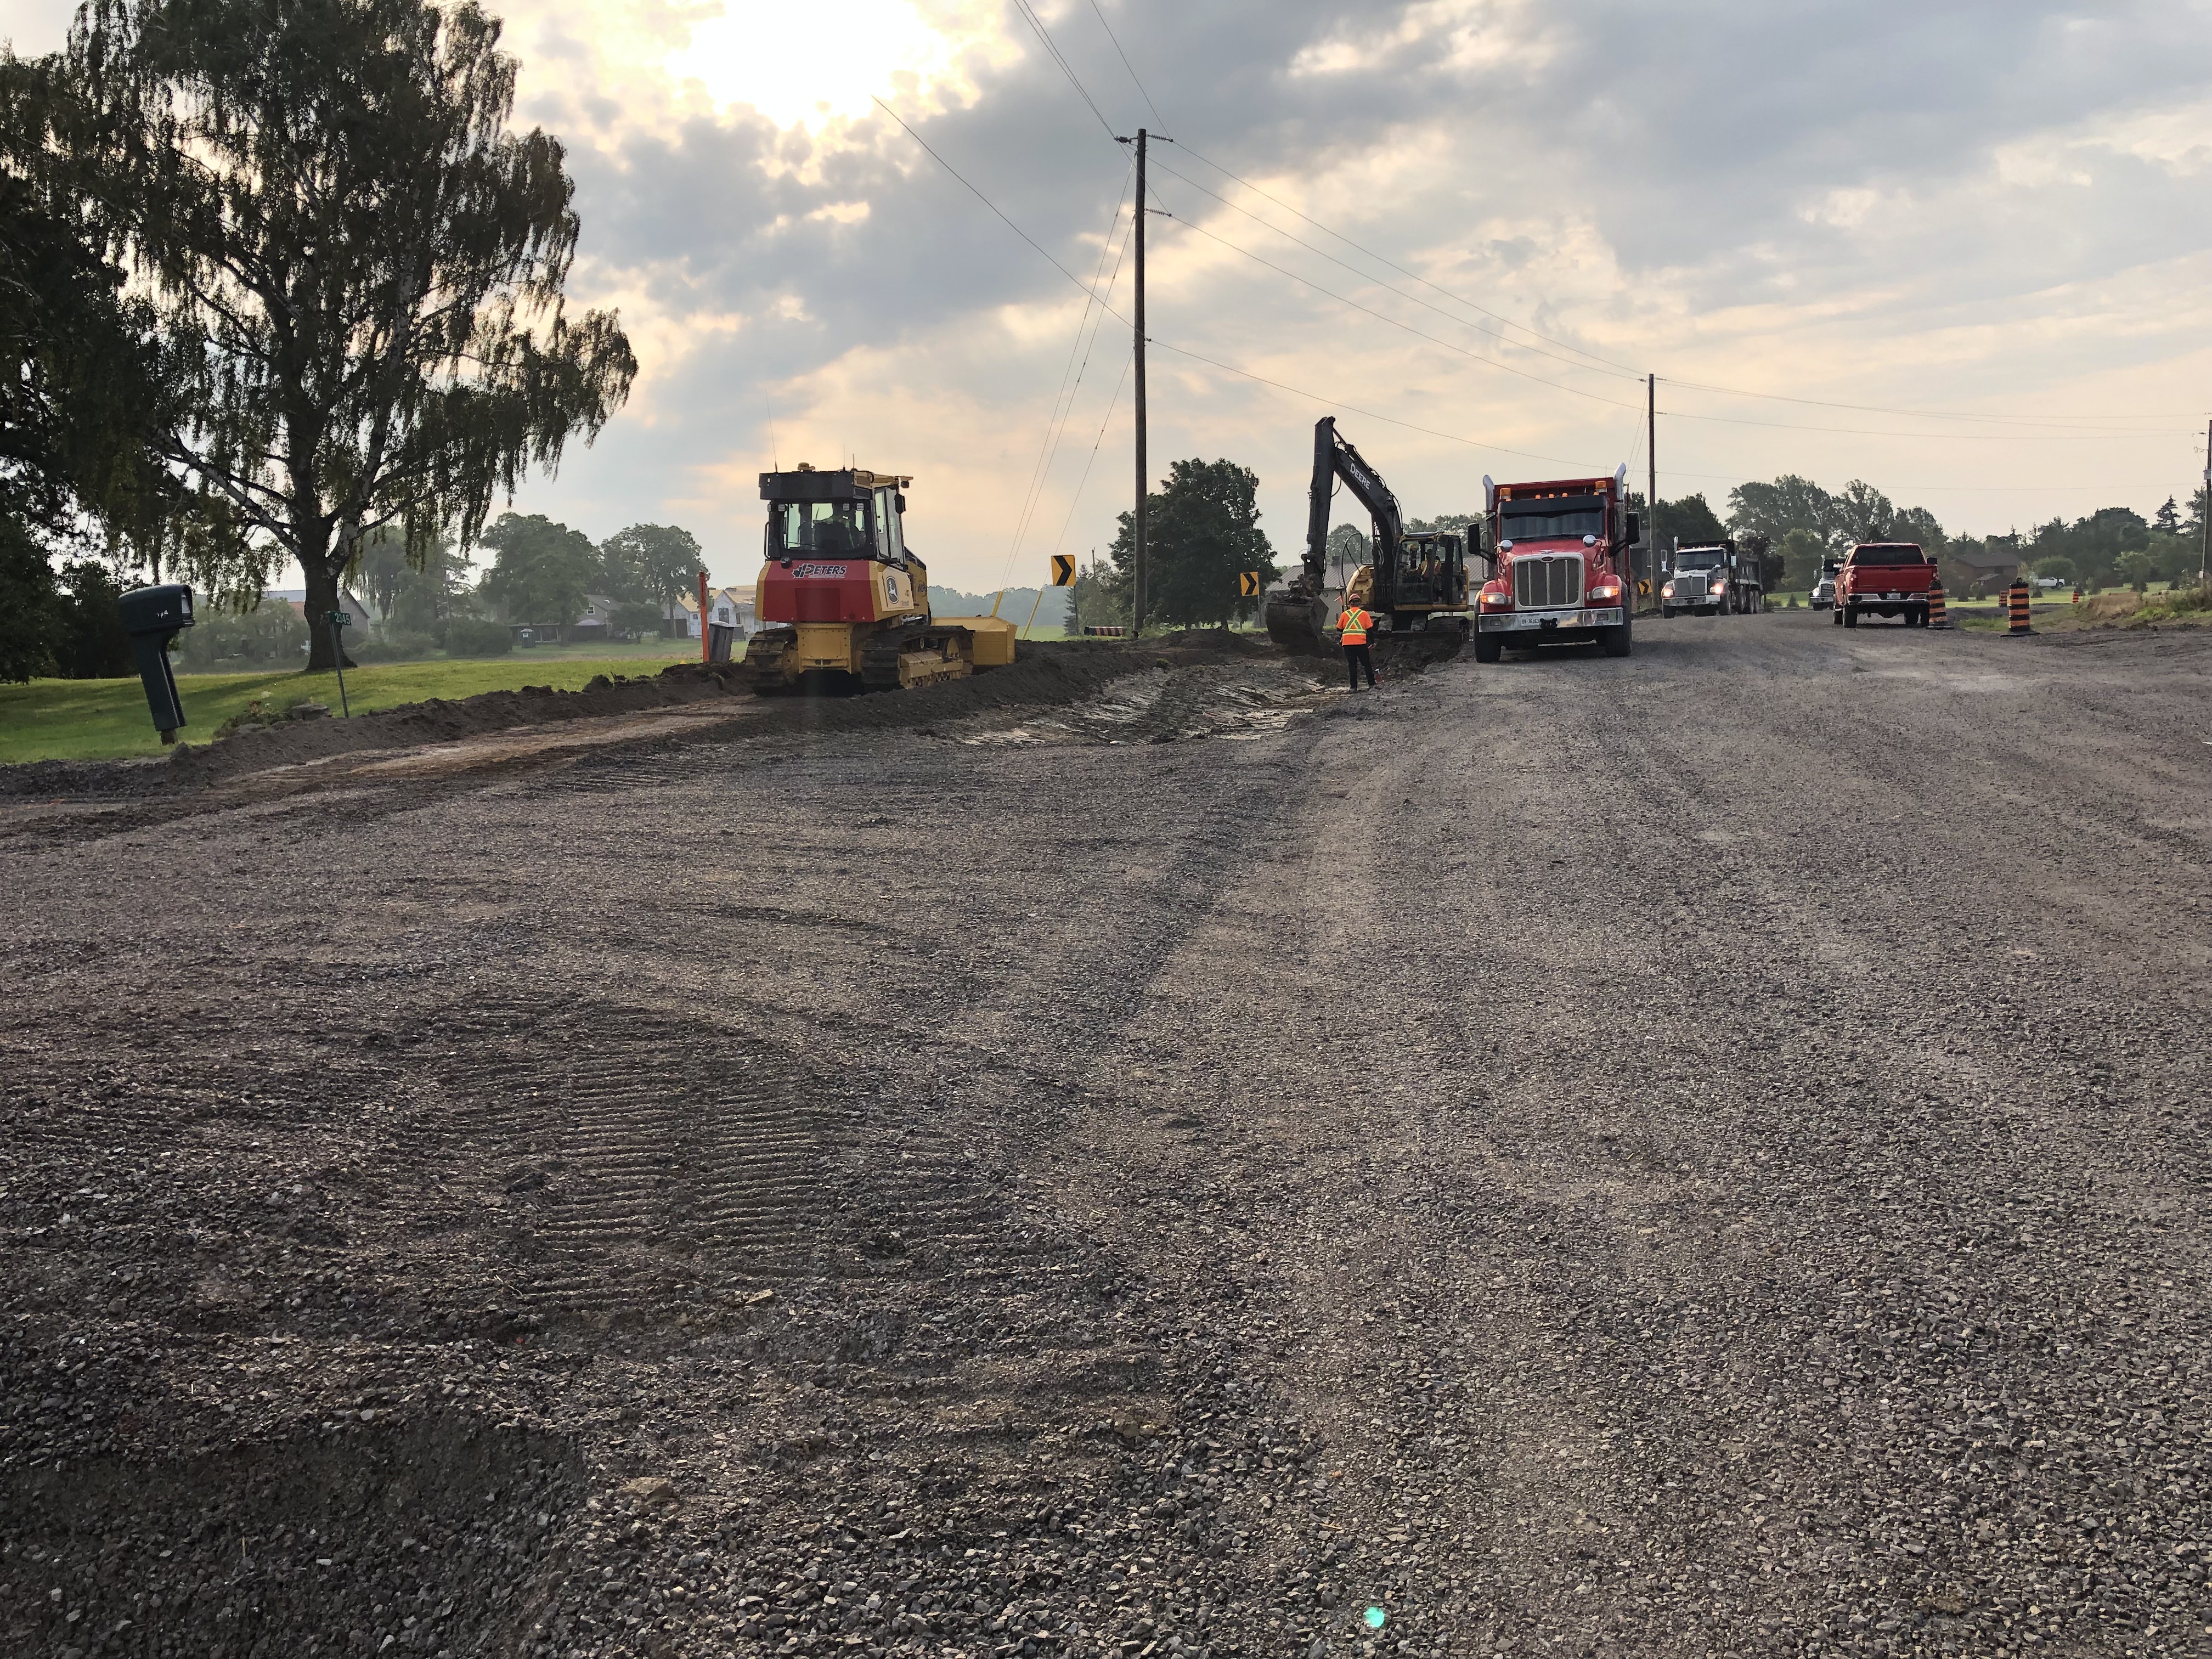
(1985, 570)
(731, 607)
(597, 621)
(357, 614)
(727, 607)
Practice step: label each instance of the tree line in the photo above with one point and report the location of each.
(1806, 523)
(282, 283)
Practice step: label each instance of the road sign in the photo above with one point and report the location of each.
(1248, 584)
(1063, 569)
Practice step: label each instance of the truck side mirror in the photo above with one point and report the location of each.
(152, 616)
(1635, 530)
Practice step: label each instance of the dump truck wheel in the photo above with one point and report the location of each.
(1489, 648)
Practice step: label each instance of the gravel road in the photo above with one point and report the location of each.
(1699, 1155)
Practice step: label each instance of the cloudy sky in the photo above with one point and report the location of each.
(1483, 219)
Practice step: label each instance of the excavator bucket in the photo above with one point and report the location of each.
(1306, 625)
(1299, 622)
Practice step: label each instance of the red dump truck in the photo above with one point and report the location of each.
(1885, 579)
(1563, 571)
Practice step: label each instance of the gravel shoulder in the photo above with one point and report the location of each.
(1585, 1156)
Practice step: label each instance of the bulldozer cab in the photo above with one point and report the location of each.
(849, 513)
(1430, 571)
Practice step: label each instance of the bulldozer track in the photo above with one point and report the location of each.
(638, 1156)
(647, 1167)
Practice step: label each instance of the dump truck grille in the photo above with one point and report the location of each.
(1688, 586)
(1546, 581)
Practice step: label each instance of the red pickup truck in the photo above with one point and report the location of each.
(1885, 579)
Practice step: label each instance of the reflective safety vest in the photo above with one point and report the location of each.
(1353, 621)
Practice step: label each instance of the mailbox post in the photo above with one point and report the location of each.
(339, 622)
(152, 616)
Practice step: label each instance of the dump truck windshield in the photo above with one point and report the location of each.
(821, 526)
(1567, 515)
(1700, 558)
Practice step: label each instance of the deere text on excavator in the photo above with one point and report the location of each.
(1417, 586)
(847, 601)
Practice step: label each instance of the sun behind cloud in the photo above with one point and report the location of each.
(813, 63)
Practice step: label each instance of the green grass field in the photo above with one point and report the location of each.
(104, 719)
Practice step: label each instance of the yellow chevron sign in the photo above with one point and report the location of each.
(1247, 583)
(1063, 569)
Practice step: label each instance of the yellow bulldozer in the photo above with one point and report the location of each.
(844, 600)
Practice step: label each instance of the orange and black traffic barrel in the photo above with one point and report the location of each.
(2018, 600)
(1938, 616)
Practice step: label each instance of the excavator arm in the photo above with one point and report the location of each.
(1297, 617)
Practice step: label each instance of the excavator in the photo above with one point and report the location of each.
(1417, 587)
(847, 599)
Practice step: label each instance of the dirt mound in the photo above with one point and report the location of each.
(1220, 640)
(1043, 674)
(439, 720)
(1216, 697)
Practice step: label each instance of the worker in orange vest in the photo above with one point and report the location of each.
(1353, 621)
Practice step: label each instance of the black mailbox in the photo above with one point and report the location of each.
(152, 616)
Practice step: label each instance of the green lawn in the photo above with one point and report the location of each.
(102, 720)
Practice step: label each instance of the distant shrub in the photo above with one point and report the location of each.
(472, 636)
(2171, 607)
(395, 645)
(271, 633)
(640, 617)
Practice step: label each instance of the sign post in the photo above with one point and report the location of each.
(339, 623)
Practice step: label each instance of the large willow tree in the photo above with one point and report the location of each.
(357, 267)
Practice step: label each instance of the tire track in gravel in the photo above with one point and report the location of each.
(649, 1170)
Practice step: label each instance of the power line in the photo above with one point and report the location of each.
(1064, 399)
(1391, 419)
(1609, 365)
(1488, 363)
(1869, 408)
(1076, 499)
(1066, 68)
(1126, 64)
(1945, 437)
(1567, 345)
(989, 204)
(1365, 414)
(1920, 414)
(1731, 420)
(1369, 276)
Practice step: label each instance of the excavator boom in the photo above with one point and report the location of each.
(1412, 576)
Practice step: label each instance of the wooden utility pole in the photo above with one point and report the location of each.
(2204, 517)
(1651, 481)
(1137, 620)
